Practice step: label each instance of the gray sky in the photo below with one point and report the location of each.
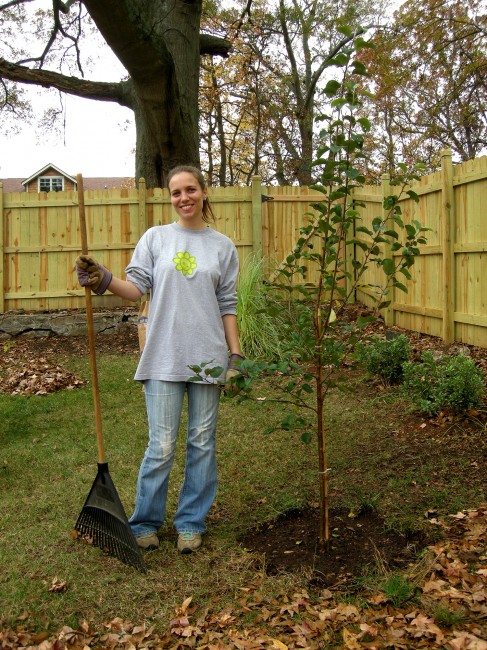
(95, 142)
(96, 139)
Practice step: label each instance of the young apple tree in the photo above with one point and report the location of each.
(316, 339)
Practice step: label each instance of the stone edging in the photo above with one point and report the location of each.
(13, 325)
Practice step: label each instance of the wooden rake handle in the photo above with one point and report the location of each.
(90, 325)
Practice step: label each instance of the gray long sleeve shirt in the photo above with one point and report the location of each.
(192, 276)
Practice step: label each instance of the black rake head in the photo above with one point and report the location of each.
(103, 522)
(111, 535)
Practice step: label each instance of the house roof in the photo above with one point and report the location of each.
(12, 184)
(89, 183)
(44, 169)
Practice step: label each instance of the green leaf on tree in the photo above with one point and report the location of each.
(388, 266)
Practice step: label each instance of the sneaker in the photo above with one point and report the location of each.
(148, 542)
(188, 542)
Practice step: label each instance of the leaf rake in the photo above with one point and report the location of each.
(102, 521)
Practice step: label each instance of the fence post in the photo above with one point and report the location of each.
(143, 217)
(389, 314)
(447, 244)
(2, 255)
(257, 216)
(350, 254)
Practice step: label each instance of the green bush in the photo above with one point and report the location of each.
(453, 383)
(385, 358)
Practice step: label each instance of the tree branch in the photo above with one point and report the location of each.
(103, 91)
(214, 45)
(14, 3)
(240, 21)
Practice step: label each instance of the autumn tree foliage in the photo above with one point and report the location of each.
(429, 76)
(234, 132)
(259, 108)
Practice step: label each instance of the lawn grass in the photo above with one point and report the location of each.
(48, 464)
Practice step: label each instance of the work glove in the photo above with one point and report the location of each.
(92, 274)
(233, 371)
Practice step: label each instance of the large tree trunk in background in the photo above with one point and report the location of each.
(158, 43)
(166, 136)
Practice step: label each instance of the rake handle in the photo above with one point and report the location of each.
(90, 325)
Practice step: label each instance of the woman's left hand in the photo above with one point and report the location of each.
(233, 371)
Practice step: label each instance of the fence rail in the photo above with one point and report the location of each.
(447, 296)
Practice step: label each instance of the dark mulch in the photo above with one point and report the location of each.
(291, 543)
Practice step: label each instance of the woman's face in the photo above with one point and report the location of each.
(187, 198)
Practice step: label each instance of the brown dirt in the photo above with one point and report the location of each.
(290, 543)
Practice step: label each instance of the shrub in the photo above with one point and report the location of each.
(385, 358)
(453, 383)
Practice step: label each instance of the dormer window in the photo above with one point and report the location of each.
(51, 183)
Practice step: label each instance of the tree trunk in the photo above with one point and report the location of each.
(158, 43)
(305, 164)
(324, 526)
(165, 137)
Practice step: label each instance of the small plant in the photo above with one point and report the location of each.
(445, 617)
(385, 358)
(397, 590)
(258, 334)
(462, 384)
(9, 344)
(453, 383)
(364, 502)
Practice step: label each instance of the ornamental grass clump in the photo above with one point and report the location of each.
(451, 383)
(259, 333)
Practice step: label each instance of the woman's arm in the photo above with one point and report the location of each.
(124, 289)
(231, 333)
(93, 274)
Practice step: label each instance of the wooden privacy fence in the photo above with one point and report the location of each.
(447, 296)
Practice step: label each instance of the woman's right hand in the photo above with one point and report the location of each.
(92, 274)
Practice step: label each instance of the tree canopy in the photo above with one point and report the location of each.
(272, 87)
(429, 75)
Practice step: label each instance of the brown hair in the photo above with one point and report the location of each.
(208, 215)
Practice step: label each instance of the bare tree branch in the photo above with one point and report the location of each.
(103, 91)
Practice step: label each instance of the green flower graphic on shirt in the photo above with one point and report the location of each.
(185, 263)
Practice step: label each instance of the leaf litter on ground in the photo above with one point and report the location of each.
(31, 374)
(456, 579)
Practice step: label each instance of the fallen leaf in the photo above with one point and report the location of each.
(350, 640)
(57, 585)
(278, 644)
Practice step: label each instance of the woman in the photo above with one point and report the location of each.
(191, 271)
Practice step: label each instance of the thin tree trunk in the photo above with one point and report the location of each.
(324, 526)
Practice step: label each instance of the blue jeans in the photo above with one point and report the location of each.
(164, 401)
